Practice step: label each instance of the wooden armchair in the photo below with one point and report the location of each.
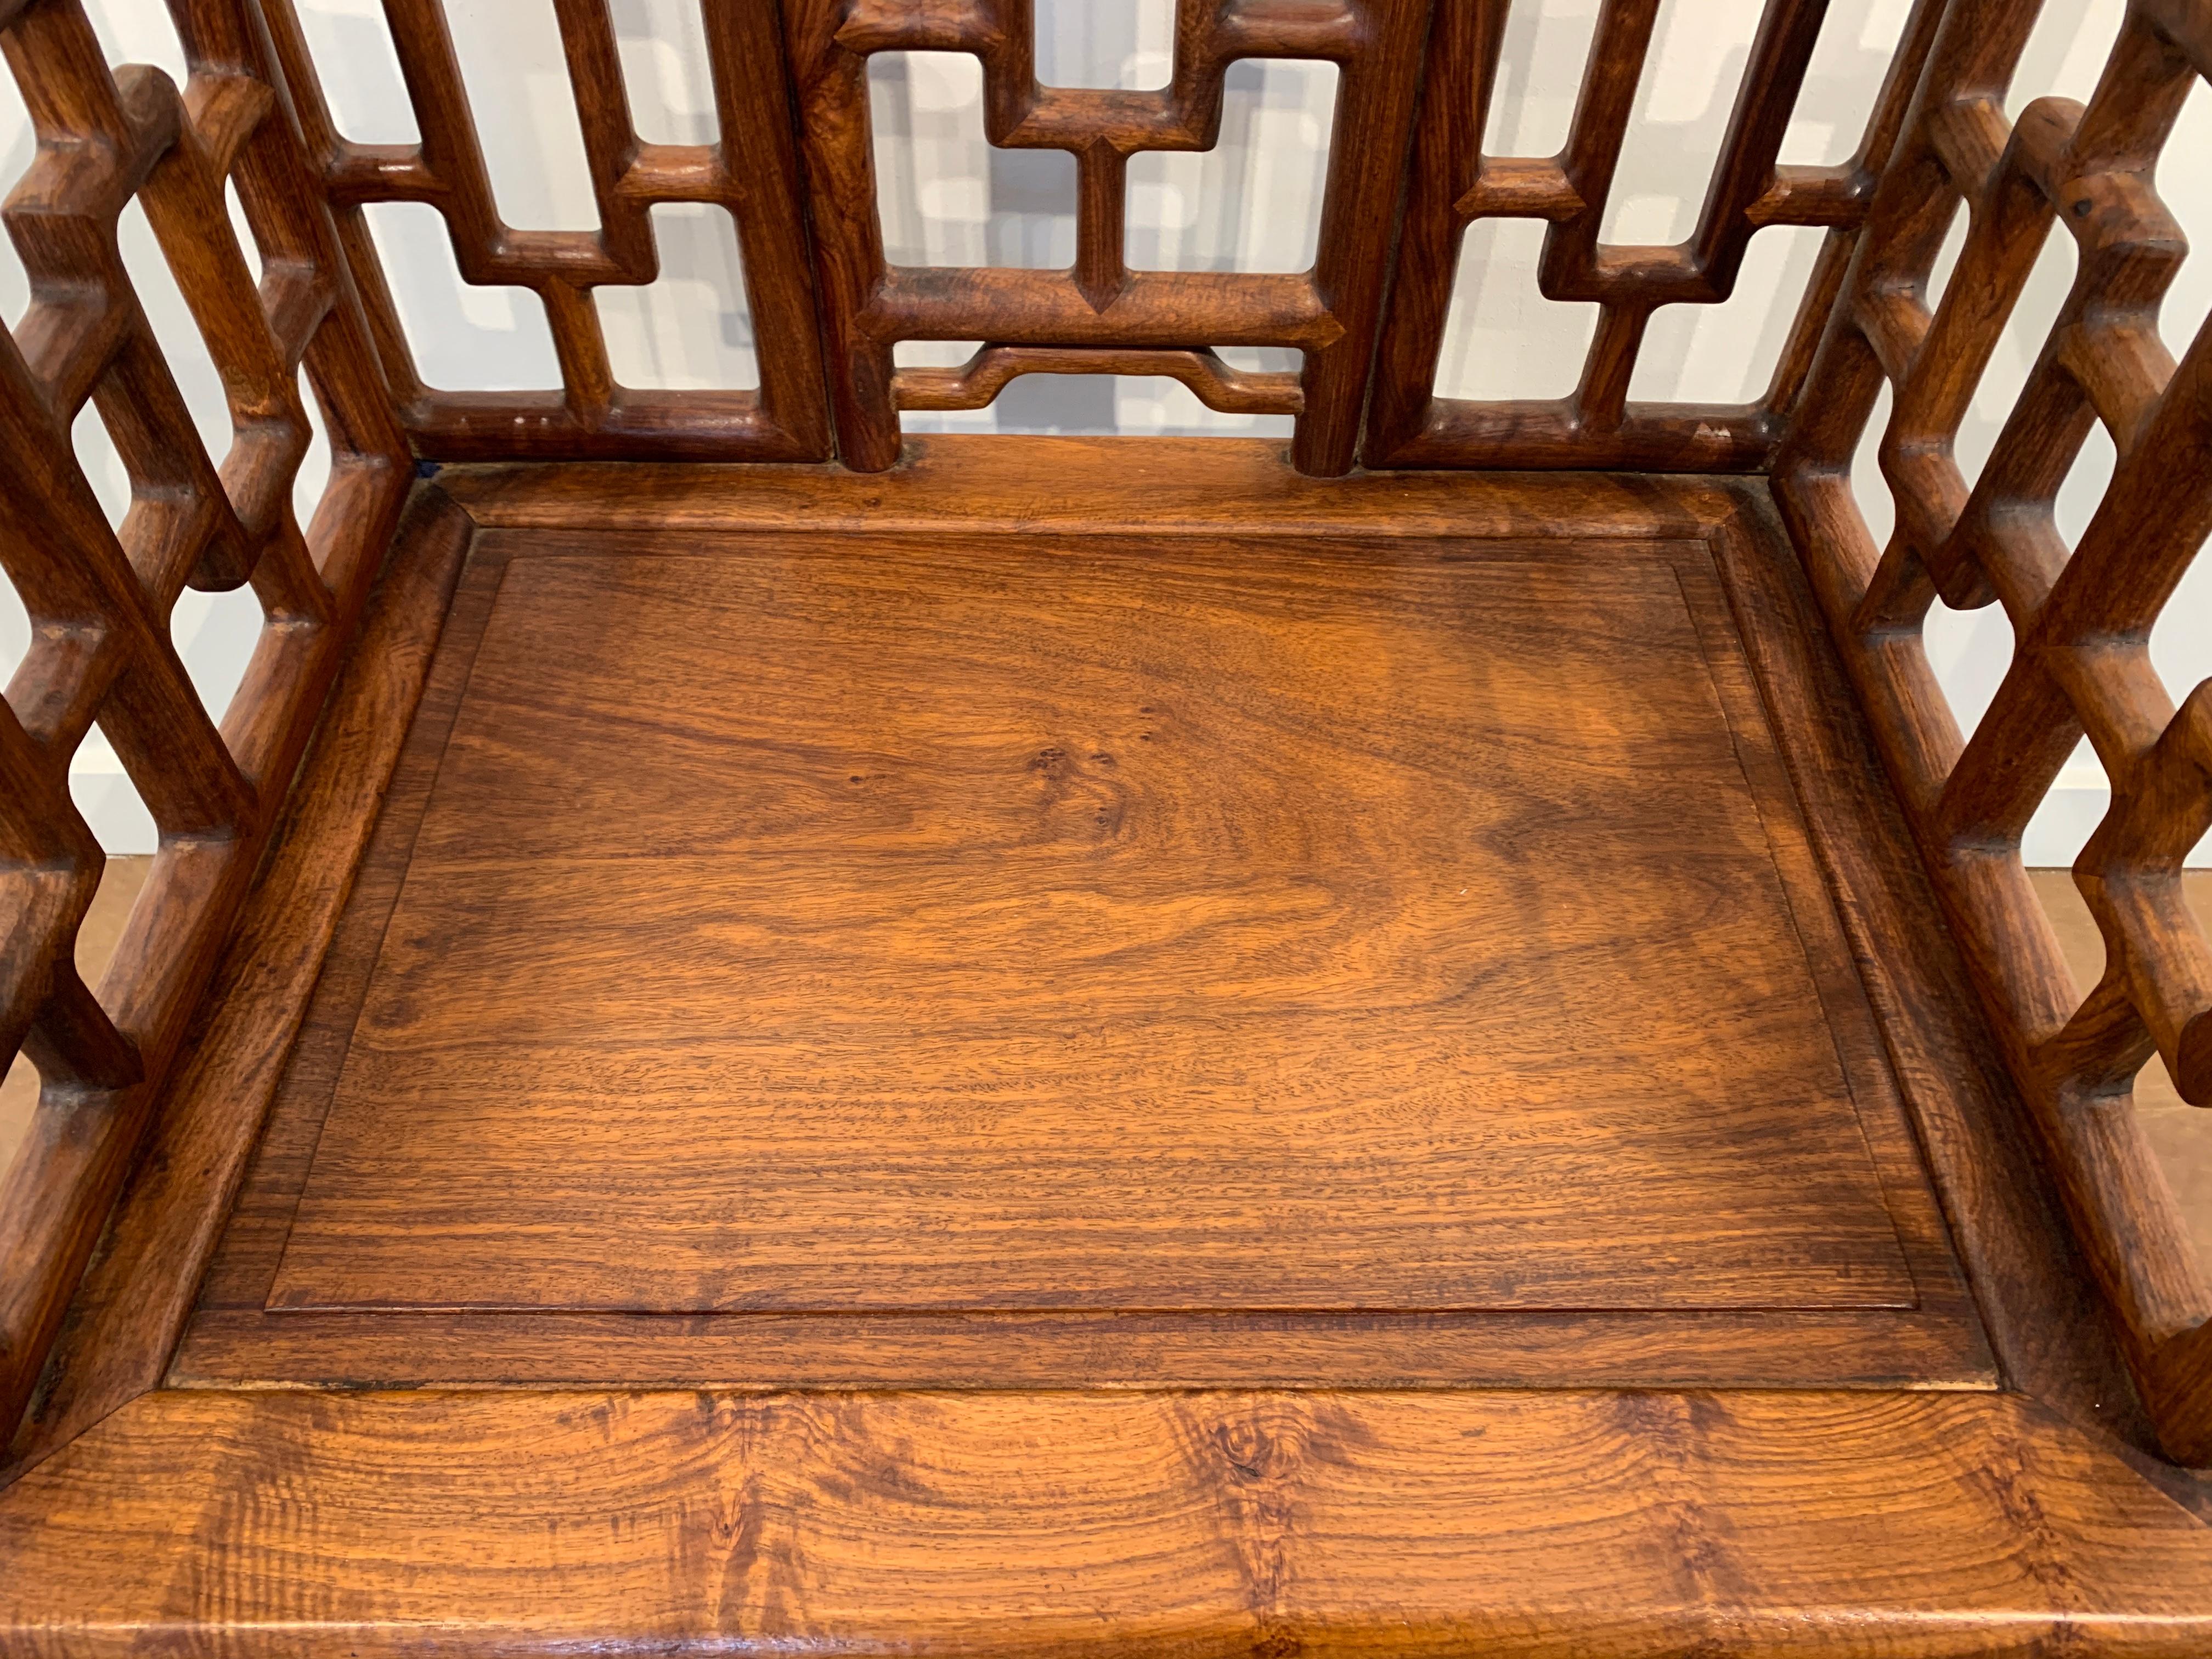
(755, 1033)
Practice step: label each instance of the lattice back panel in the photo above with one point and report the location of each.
(100, 599)
(751, 172)
(2081, 617)
(1454, 185)
(1099, 315)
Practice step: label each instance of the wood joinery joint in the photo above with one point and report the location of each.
(129, 1309)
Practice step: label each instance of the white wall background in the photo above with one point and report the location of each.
(949, 198)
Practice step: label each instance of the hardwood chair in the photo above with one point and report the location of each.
(757, 1035)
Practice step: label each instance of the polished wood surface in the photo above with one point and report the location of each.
(1007, 1047)
(2029, 1280)
(2081, 615)
(1191, 490)
(1554, 1523)
(1855, 868)
(251, 1347)
(1947, 1473)
(1091, 484)
(98, 597)
(1077, 925)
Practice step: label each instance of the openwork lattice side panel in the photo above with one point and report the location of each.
(1454, 185)
(1099, 316)
(2081, 618)
(100, 599)
(751, 172)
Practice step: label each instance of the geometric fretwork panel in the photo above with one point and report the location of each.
(2081, 615)
(100, 599)
(1454, 183)
(1099, 316)
(750, 173)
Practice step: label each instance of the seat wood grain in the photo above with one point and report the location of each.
(875, 925)
(1907, 1526)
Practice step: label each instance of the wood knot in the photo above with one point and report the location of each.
(1246, 1448)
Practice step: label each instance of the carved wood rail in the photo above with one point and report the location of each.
(2081, 617)
(100, 599)
(975, 383)
(1406, 176)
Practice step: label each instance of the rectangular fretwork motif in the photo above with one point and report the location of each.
(100, 598)
(1453, 184)
(752, 173)
(1099, 315)
(2081, 617)
(808, 214)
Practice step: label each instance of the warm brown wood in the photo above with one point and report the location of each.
(1132, 486)
(251, 1348)
(967, 896)
(1525, 1350)
(132, 1303)
(1131, 1030)
(2029, 1280)
(752, 173)
(1990, 1184)
(1895, 1525)
(1964, 1116)
(1954, 1087)
(2180, 1135)
(1330, 312)
(1189, 498)
(1451, 183)
(983, 376)
(100, 599)
(2082, 616)
(121, 877)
